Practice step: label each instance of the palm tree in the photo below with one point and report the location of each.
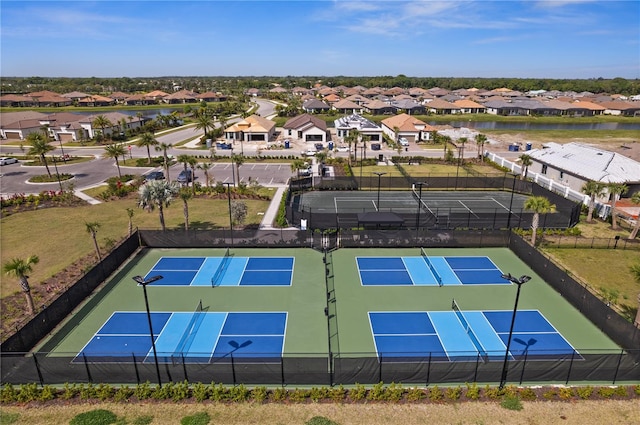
(40, 146)
(184, 160)
(185, 194)
(165, 158)
(352, 140)
(616, 190)
(157, 193)
(114, 151)
(238, 160)
(102, 122)
(19, 268)
(130, 217)
(204, 121)
(445, 141)
(206, 166)
(365, 139)
(635, 199)
(481, 139)
(92, 229)
(147, 140)
(539, 205)
(526, 162)
(297, 165)
(593, 190)
(193, 163)
(463, 141)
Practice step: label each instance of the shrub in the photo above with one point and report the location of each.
(279, 394)
(259, 394)
(8, 394)
(239, 393)
(511, 402)
(565, 393)
(621, 391)
(377, 392)
(493, 393)
(636, 390)
(527, 394)
(28, 392)
(584, 392)
(104, 392)
(69, 391)
(317, 394)
(180, 391)
(337, 394)
(358, 393)
(47, 393)
(143, 391)
(394, 392)
(298, 395)
(123, 394)
(218, 393)
(200, 391)
(435, 394)
(606, 392)
(415, 394)
(453, 393)
(473, 391)
(201, 418)
(550, 394)
(94, 417)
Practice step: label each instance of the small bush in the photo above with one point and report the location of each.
(493, 393)
(8, 394)
(28, 392)
(453, 393)
(377, 392)
(606, 392)
(435, 394)
(511, 402)
(94, 417)
(47, 393)
(259, 394)
(218, 393)
(584, 392)
(239, 393)
(621, 391)
(636, 390)
(317, 394)
(200, 392)
(123, 394)
(550, 394)
(527, 394)
(279, 394)
(337, 394)
(473, 391)
(298, 395)
(143, 391)
(565, 393)
(180, 391)
(69, 391)
(201, 418)
(394, 392)
(104, 392)
(415, 394)
(358, 393)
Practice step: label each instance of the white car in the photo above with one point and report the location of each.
(310, 152)
(403, 142)
(5, 160)
(342, 149)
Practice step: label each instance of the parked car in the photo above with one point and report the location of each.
(6, 160)
(310, 152)
(403, 142)
(319, 146)
(185, 176)
(342, 148)
(154, 175)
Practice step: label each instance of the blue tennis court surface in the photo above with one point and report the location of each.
(192, 337)
(223, 271)
(429, 271)
(467, 335)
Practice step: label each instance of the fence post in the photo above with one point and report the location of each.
(40, 378)
(282, 371)
(135, 367)
(615, 375)
(428, 370)
(184, 367)
(524, 364)
(380, 369)
(570, 367)
(233, 370)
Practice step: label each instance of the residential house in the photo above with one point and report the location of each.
(346, 124)
(211, 97)
(407, 126)
(47, 98)
(181, 96)
(95, 100)
(251, 129)
(440, 107)
(378, 107)
(14, 100)
(618, 107)
(307, 128)
(315, 106)
(574, 164)
(470, 107)
(18, 125)
(409, 106)
(345, 106)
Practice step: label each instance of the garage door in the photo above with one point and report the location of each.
(66, 137)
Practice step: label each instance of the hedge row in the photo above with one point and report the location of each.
(358, 393)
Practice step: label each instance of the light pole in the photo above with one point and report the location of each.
(64, 158)
(419, 184)
(518, 281)
(361, 155)
(460, 150)
(140, 280)
(513, 189)
(379, 174)
(230, 217)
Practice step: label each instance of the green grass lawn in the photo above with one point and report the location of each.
(59, 237)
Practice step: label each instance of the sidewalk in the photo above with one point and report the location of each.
(272, 210)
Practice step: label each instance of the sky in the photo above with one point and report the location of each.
(571, 39)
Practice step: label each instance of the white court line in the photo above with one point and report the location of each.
(467, 208)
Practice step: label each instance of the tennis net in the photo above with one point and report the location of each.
(217, 276)
(472, 336)
(425, 257)
(192, 329)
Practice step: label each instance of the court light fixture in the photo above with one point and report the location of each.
(141, 281)
(379, 174)
(518, 281)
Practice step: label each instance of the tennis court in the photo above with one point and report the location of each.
(198, 337)
(466, 335)
(223, 271)
(429, 270)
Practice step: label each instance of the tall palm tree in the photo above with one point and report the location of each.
(539, 205)
(114, 151)
(102, 122)
(526, 162)
(297, 165)
(130, 217)
(481, 139)
(40, 146)
(165, 158)
(20, 268)
(92, 229)
(205, 167)
(635, 199)
(204, 121)
(593, 190)
(184, 160)
(365, 139)
(463, 141)
(238, 160)
(616, 190)
(445, 141)
(157, 194)
(193, 164)
(185, 194)
(147, 140)
(352, 140)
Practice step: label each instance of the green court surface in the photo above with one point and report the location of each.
(346, 329)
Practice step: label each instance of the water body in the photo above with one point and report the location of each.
(502, 125)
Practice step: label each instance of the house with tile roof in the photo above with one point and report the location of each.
(345, 106)
(181, 96)
(619, 107)
(95, 100)
(307, 128)
(251, 129)
(15, 100)
(407, 126)
(408, 106)
(470, 107)
(440, 107)
(378, 107)
(315, 106)
(574, 164)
